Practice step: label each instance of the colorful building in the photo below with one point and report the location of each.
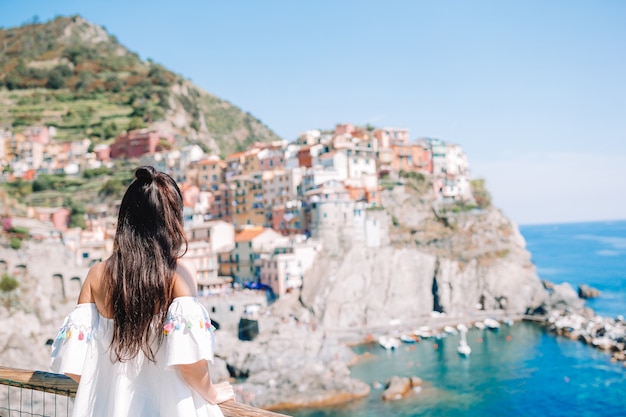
(136, 143)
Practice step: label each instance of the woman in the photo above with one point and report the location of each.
(139, 342)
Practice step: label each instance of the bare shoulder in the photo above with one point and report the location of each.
(185, 284)
(92, 284)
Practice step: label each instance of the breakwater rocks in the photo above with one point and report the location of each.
(564, 313)
(600, 332)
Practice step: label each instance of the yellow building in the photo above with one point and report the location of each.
(247, 201)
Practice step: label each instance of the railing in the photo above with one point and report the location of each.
(26, 391)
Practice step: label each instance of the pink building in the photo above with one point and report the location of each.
(136, 143)
(345, 128)
(391, 136)
(58, 216)
(103, 152)
(37, 134)
(191, 194)
(289, 219)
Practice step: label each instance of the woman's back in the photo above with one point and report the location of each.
(139, 341)
(184, 285)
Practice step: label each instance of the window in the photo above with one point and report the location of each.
(213, 309)
(232, 307)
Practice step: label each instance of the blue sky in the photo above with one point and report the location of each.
(534, 91)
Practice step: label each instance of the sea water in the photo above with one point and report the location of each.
(519, 370)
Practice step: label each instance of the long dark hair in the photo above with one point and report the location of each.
(139, 273)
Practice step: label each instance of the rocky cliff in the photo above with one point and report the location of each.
(436, 258)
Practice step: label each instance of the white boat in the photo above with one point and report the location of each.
(491, 324)
(389, 342)
(424, 332)
(409, 338)
(450, 330)
(463, 349)
(479, 325)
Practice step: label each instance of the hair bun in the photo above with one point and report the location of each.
(145, 173)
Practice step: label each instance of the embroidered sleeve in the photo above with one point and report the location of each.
(188, 333)
(69, 349)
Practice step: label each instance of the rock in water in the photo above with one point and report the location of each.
(585, 291)
(397, 388)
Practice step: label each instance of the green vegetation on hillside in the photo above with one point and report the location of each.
(77, 193)
(74, 76)
(481, 194)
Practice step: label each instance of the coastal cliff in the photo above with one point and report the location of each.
(429, 259)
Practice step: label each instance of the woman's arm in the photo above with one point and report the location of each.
(198, 377)
(197, 374)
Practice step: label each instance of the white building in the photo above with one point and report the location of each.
(335, 161)
(331, 207)
(361, 162)
(291, 156)
(205, 262)
(456, 160)
(453, 188)
(284, 270)
(188, 154)
(310, 137)
(219, 234)
(316, 176)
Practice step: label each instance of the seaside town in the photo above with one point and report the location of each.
(255, 217)
(353, 269)
(256, 222)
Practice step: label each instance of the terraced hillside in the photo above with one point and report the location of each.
(73, 75)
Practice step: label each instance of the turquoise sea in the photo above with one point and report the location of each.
(519, 370)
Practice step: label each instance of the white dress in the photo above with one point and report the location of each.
(137, 388)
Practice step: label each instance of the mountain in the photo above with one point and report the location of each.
(74, 75)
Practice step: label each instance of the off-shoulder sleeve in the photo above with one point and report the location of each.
(188, 333)
(71, 344)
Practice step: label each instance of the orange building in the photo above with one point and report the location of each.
(413, 157)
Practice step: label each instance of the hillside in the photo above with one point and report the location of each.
(75, 76)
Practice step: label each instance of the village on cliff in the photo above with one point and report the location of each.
(253, 218)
